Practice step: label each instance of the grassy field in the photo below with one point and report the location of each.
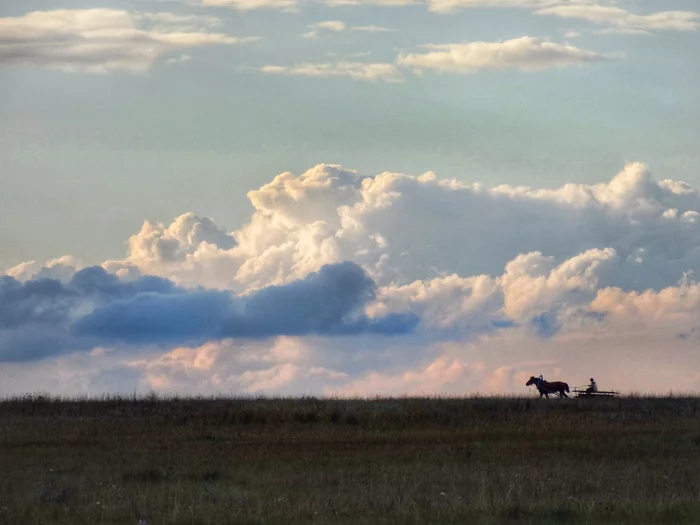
(406, 460)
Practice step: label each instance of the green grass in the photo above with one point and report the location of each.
(394, 460)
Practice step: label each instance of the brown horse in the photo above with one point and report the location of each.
(545, 387)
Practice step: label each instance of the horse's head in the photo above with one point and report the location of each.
(531, 381)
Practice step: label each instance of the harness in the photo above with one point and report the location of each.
(540, 380)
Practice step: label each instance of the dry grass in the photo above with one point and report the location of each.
(408, 460)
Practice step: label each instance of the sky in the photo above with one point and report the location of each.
(348, 197)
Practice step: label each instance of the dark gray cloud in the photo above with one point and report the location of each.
(184, 317)
(327, 302)
(44, 317)
(36, 315)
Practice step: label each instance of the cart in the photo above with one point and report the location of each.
(600, 393)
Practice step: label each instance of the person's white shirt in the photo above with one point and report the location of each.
(594, 386)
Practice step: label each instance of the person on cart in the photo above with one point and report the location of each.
(592, 388)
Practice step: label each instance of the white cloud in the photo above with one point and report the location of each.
(248, 5)
(401, 228)
(371, 29)
(532, 285)
(283, 366)
(448, 6)
(330, 25)
(525, 54)
(671, 305)
(179, 60)
(337, 26)
(385, 3)
(623, 21)
(444, 374)
(101, 40)
(61, 268)
(367, 72)
(508, 282)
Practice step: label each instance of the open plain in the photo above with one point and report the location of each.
(361, 461)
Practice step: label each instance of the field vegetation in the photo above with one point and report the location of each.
(182, 461)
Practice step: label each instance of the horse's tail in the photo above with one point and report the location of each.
(566, 386)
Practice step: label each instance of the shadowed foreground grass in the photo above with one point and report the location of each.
(408, 460)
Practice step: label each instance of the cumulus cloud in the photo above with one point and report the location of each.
(525, 54)
(366, 72)
(446, 375)
(36, 315)
(102, 40)
(327, 302)
(670, 305)
(402, 228)
(171, 246)
(534, 292)
(623, 21)
(487, 284)
(97, 307)
(63, 268)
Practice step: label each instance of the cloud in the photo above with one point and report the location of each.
(534, 291)
(371, 29)
(35, 316)
(448, 6)
(328, 302)
(97, 308)
(248, 5)
(383, 3)
(366, 72)
(330, 25)
(401, 228)
(572, 34)
(670, 305)
(280, 367)
(524, 54)
(179, 60)
(478, 285)
(623, 21)
(62, 268)
(337, 26)
(173, 245)
(102, 40)
(446, 375)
